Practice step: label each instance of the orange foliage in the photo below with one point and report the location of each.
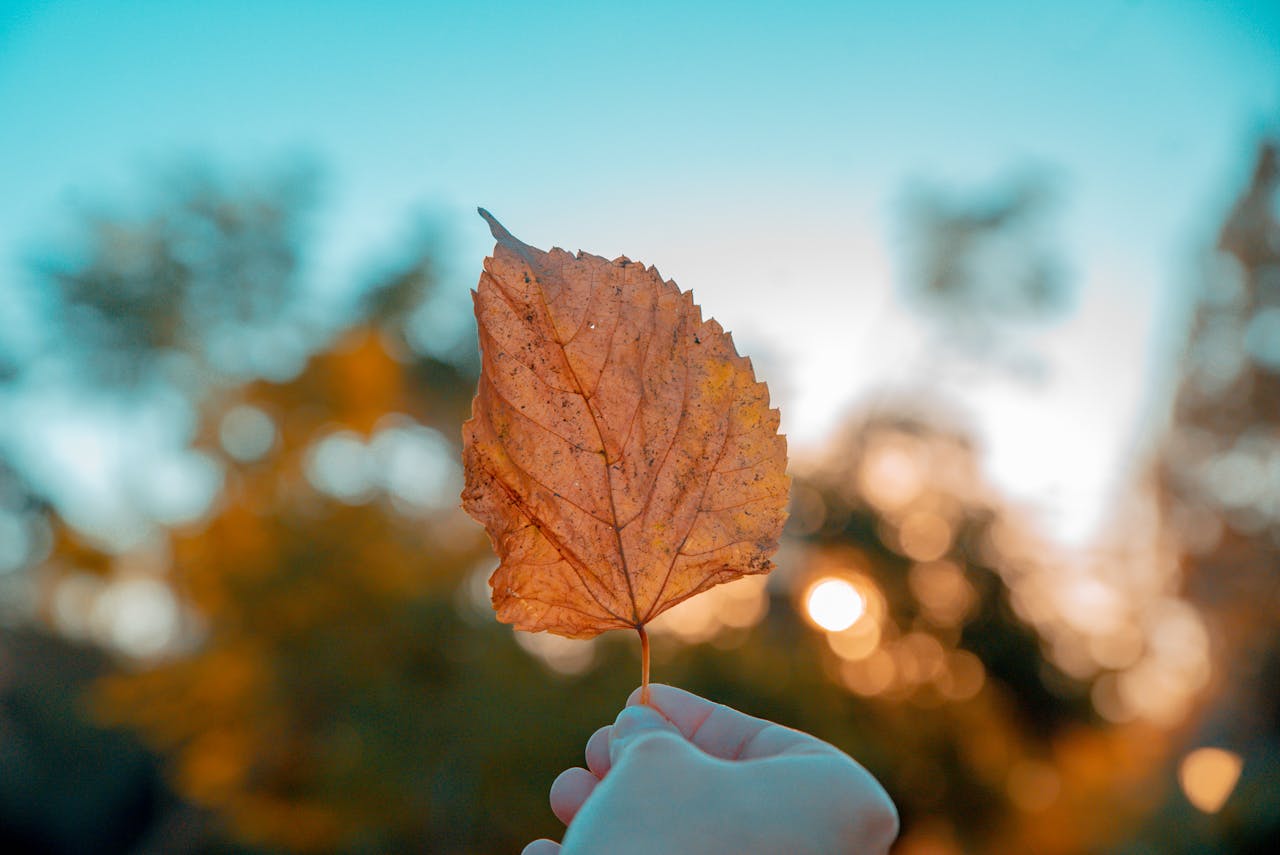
(306, 610)
(363, 377)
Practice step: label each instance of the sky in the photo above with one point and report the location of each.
(756, 153)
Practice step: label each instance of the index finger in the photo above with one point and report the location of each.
(724, 732)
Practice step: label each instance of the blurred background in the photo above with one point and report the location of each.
(1011, 273)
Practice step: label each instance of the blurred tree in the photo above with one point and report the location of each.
(981, 263)
(202, 286)
(1219, 480)
(322, 585)
(984, 742)
(287, 640)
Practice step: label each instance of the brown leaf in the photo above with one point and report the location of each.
(620, 452)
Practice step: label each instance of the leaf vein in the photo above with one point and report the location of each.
(743, 503)
(608, 351)
(519, 412)
(666, 579)
(575, 563)
(714, 548)
(561, 496)
(608, 474)
(644, 360)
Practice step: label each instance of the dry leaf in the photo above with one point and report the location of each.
(620, 453)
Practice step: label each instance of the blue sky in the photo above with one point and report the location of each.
(757, 153)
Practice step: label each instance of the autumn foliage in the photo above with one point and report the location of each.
(621, 454)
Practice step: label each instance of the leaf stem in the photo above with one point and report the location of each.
(644, 664)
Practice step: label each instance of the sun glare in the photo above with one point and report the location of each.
(835, 604)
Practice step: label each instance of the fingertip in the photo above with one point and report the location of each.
(655, 690)
(541, 847)
(638, 718)
(683, 709)
(638, 726)
(598, 751)
(569, 790)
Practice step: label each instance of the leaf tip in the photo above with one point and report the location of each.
(508, 240)
(496, 228)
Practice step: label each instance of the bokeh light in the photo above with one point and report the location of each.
(139, 617)
(834, 604)
(924, 535)
(247, 433)
(564, 656)
(858, 641)
(1208, 775)
(339, 464)
(944, 594)
(963, 677)
(733, 606)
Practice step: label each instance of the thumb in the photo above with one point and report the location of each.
(635, 725)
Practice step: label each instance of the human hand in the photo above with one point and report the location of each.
(685, 775)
